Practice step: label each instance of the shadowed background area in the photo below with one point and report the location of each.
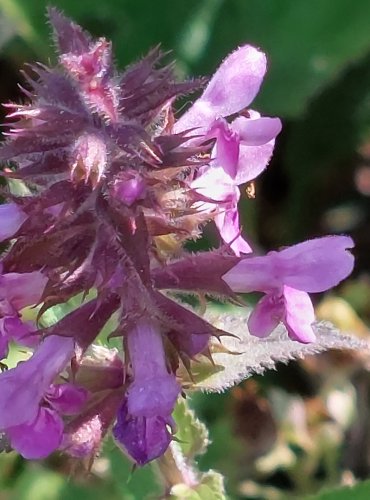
(307, 425)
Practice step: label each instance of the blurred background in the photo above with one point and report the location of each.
(305, 426)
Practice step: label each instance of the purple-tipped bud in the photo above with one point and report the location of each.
(90, 159)
(83, 435)
(129, 188)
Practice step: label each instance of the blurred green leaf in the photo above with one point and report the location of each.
(360, 491)
(191, 432)
(308, 44)
(131, 484)
(211, 487)
(134, 27)
(320, 150)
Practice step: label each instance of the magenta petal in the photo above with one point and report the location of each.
(11, 219)
(226, 151)
(227, 222)
(256, 131)
(232, 88)
(66, 398)
(39, 439)
(19, 399)
(23, 387)
(266, 316)
(214, 183)
(12, 328)
(312, 266)
(4, 342)
(154, 391)
(316, 265)
(252, 161)
(22, 290)
(144, 439)
(299, 315)
(237, 81)
(155, 397)
(15, 329)
(253, 274)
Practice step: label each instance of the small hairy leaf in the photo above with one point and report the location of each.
(249, 355)
(191, 433)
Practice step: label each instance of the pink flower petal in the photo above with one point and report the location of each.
(22, 290)
(214, 183)
(311, 266)
(40, 438)
(23, 387)
(226, 150)
(253, 274)
(237, 81)
(232, 88)
(299, 315)
(67, 398)
(227, 222)
(153, 397)
(266, 316)
(316, 265)
(256, 132)
(11, 219)
(252, 161)
(154, 390)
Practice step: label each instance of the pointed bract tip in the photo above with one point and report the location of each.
(68, 36)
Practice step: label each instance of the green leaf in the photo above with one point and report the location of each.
(131, 484)
(178, 468)
(249, 355)
(210, 487)
(191, 433)
(360, 491)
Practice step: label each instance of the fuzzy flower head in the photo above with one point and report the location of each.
(117, 184)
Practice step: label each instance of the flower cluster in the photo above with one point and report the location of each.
(116, 184)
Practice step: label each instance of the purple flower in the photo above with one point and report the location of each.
(285, 277)
(11, 219)
(16, 292)
(129, 187)
(30, 403)
(242, 148)
(232, 88)
(154, 390)
(13, 328)
(143, 438)
(142, 421)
